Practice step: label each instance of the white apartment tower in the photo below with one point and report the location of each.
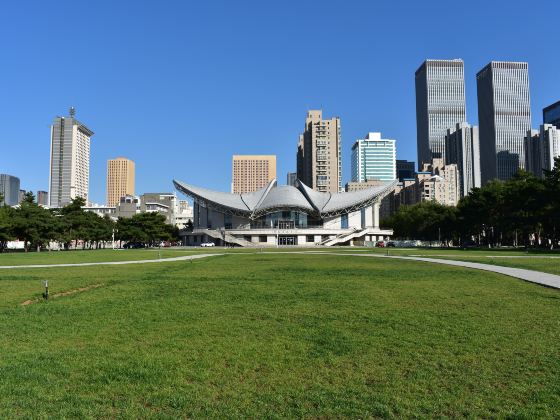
(504, 116)
(69, 162)
(440, 104)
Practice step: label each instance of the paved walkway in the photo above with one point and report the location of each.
(538, 277)
(182, 258)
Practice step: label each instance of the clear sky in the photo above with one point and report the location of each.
(181, 86)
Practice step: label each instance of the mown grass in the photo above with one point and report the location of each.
(95, 255)
(279, 335)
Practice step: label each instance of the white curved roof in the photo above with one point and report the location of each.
(273, 198)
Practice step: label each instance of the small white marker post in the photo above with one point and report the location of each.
(46, 293)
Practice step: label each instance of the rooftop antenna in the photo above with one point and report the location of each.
(72, 111)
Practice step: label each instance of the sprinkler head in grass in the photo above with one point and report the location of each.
(46, 292)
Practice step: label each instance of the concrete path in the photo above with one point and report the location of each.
(538, 277)
(182, 258)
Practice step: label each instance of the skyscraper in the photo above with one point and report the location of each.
(462, 148)
(405, 169)
(551, 114)
(319, 162)
(252, 172)
(291, 179)
(440, 104)
(120, 180)
(541, 147)
(373, 158)
(43, 198)
(69, 165)
(504, 115)
(9, 188)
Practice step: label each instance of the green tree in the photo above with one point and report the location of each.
(33, 224)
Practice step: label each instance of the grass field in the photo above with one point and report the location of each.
(278, 336)
(72, 257)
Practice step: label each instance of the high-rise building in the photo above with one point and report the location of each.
(252, 172)
(120, 180)
(43, 198)
(504, 115)
(440, 104)
(405, 169)
(551, 114)
(291, 179)
(21, 195)
(69, 165)
(9, 189)
(462, 148)
(541, 147)
(319, 161)
(373, 158)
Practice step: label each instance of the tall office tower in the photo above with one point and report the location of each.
(504, 115)
(9, 188)
(43, 198)
(252, 172)
(291, 179)
(462, 147)
(440, 104)
(405, 169)
(21, 195)
(319, 164)
(69, 166)
(532, 146)
(541, 147)
(120, 180)
(551, 114)
(373, 158)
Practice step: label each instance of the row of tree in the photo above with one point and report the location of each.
(525, 210)
(72, 227)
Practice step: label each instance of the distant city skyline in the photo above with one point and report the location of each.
(152, 94)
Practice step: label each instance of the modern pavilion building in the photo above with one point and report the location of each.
(286, 215)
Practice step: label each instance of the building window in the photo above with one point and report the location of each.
(310, 238)
(344, 221)
(262, 238)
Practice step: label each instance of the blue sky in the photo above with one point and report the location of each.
(181, 86)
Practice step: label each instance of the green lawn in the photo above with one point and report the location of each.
(72, 257)
(278, 336)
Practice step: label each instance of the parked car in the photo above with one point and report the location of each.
(391, 245)
(204, 244)
(133, 245)
(380, 244)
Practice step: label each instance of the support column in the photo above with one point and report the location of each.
(376, 215)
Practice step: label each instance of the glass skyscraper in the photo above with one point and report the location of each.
(551, 114)
(440, 104)
(504, 115)
(373, 158)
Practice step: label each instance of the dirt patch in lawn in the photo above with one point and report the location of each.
(66, 293)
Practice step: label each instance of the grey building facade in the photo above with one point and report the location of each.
(541, 148)
(551, 114)
(291, 179)
(43, 198)
(9, 188)
(440, 104)
(462, 147)
(504, 115)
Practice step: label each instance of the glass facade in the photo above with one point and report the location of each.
(551, 114)
(286, 220)
(373, 158)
